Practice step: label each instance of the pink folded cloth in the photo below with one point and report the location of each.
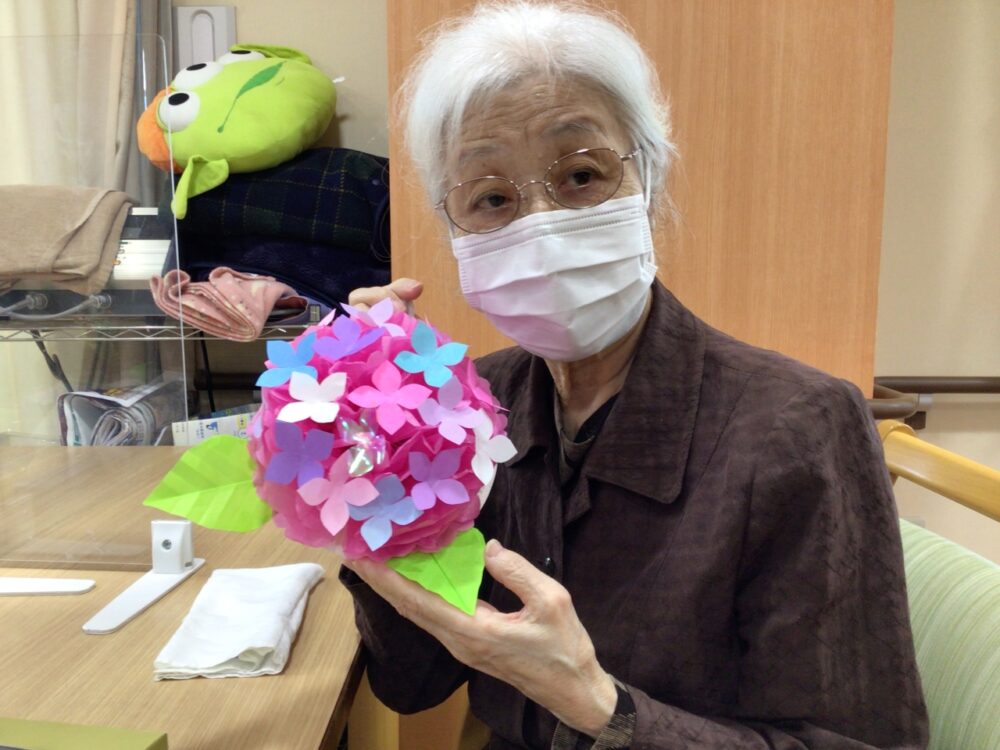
(230, 305)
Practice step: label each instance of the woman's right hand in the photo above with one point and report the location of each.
(402, 292)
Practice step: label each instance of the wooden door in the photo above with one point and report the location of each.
(779, 111)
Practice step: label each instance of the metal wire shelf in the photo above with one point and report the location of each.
(89, 328)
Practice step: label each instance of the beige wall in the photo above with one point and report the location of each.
(939, 295)
(344, 38)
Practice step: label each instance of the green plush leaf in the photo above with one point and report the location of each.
(454, 573)
(273, 50)
(257, 79)
(212, 485)
(200, 176)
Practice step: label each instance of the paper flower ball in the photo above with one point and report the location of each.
(375, 435)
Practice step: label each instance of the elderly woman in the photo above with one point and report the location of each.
(696, 544)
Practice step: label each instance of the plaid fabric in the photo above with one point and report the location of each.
(332, 196)
(324, 273)
(319, 223)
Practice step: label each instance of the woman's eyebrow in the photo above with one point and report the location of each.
(475, 152)
(574, 127)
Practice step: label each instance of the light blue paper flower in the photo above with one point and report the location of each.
(286, 359)
(429, 358)
(391, 506)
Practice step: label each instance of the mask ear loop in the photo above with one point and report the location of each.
(447, 221)
(647, 188)
(647, 196)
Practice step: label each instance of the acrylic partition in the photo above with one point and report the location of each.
(90, 368)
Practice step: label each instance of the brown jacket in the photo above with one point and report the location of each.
(731, 546)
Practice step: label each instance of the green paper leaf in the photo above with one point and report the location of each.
(212, 485)
(453, 573)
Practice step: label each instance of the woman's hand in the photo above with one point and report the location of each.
(402, 292)
(542, 649)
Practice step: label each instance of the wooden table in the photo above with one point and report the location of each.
(81, 509)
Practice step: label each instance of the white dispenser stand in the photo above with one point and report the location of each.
(173, 561)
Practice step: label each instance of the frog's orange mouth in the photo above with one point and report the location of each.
(152, 140)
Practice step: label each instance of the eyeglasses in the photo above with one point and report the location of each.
(582, 179)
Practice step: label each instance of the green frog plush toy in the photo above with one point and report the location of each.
(255, 107)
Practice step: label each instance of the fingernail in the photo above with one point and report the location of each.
(493, 548)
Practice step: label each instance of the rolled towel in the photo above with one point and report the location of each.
(242, 624)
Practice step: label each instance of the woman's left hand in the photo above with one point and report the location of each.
(542, 650)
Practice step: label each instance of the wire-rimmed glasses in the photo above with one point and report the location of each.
(582, 179)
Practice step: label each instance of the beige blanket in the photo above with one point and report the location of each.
(67, 236)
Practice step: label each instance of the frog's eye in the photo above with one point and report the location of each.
(178, 110)
(196, 75)
(239, 55)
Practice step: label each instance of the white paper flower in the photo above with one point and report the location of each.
(314, 400)
(490, 450)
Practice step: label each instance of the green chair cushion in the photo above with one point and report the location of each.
(954, 599)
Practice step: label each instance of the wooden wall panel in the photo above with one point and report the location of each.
(779, 110)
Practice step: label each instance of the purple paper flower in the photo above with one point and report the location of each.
(391, 506)
(346, 339)
(298, 457)
(377, 316)
(435, 479)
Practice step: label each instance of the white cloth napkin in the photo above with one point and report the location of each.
(242, 624)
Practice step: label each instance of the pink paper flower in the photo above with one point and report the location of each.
(336, 492)
(450, 414)
(389, 397)
(479, 388)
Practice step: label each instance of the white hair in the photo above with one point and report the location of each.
(471, 58)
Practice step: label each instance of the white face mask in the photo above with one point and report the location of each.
(563, 284)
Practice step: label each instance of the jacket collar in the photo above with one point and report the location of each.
(643, 446)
